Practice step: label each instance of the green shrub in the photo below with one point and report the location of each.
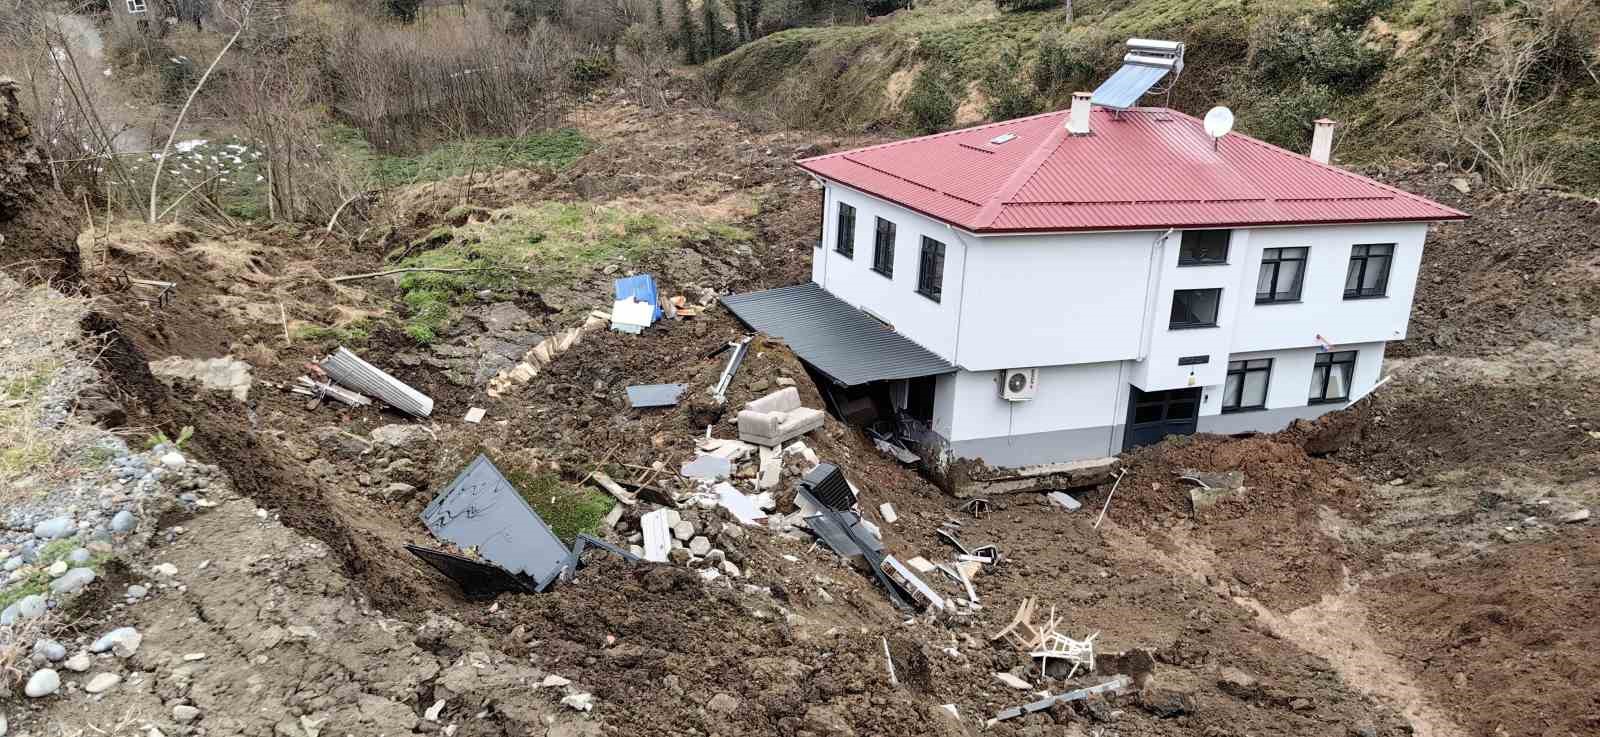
(1284, 117)
(589, 71)
(1062, 67)
(930, 105)
(1292, 50)
(1006, 87)
(1356, 13)
(1015, 6)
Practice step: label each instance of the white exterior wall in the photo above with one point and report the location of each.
(1052, 300)
(933, 325)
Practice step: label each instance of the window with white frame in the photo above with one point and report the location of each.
(136, 6)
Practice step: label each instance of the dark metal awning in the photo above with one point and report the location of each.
(845, 344)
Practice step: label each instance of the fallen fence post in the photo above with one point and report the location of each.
(1116, 684)
(1107, 505)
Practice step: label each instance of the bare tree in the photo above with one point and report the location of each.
(239, 14)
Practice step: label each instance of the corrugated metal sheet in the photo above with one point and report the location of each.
(844, 343)
(1141, 169)
(1124, 88)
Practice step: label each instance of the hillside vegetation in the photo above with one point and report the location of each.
(1508, 88)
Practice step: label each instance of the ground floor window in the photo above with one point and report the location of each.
(1247, 385)
(1331, 376)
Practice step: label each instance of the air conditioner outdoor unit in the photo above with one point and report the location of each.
(1019, 385)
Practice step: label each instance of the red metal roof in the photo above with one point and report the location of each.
(1140, 169)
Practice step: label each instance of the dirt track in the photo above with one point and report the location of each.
(1321, 600)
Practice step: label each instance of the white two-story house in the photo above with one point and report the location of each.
(1073, 284)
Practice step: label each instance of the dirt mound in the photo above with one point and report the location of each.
(1520, 270)
(1505, 641)
(37, 223)
(1264, 518)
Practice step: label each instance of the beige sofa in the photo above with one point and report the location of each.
(777, 417)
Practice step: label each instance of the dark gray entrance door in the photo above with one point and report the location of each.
(1155, 415)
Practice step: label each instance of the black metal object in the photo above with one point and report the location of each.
(843, 532)
(478, 580)
(826, 484)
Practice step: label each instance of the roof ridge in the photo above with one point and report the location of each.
(1030, 166)
(930, 137)
(1281, 151)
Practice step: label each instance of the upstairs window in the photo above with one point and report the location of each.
(1203, 247)
(1369, 271)
(1331, 376)
(883, 248)
(1195, 308)
(845, 240)
(930, 272)
(1247, 385)
(1282, 272)
(136, 6)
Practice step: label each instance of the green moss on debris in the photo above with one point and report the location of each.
(569, 510)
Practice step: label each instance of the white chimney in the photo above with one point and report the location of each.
(1322, 141)
(1078, 120)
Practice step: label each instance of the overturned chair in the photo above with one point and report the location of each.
(776, 418)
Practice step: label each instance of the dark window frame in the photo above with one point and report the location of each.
(1216, 310)
(883, 253)
(930, 269)
(1362, 252)
(1276, 262)
(1245, 368)
(844, 243)
(1333, 360)
(1184, 244)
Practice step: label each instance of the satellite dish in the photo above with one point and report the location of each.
(1219, 121)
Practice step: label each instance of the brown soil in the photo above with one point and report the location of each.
(1505, 641)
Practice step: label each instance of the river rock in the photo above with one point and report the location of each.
(55, 527)
(102, 682)
(42, 683)
(30, 606)
(123, 642)
(50, 650)
(124, 521)
(184, 713)
(79, 663)
(73, 581)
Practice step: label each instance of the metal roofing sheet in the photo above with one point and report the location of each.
(1144, 168)
(1124, 88)
(844, 343)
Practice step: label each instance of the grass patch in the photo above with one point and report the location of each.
(555, 149)
(569, 510)
(23, 446)
(540, 245)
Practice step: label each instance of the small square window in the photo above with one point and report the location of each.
(930, 272)
(1195, 308)
(1202, 247)
(1331, 375)
(883, 248)
(845, 239)
(136, 6)
(1283, 270)
(1369, 271)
